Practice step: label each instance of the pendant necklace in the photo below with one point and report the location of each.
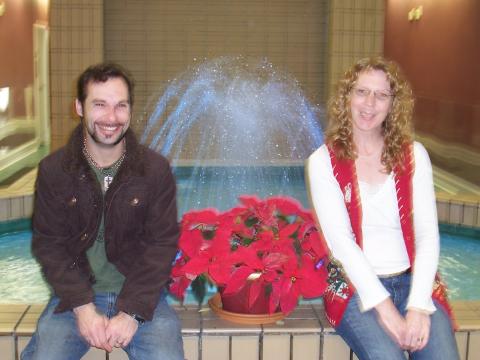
(107, 172)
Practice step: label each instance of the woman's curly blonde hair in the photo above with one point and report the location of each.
(397, 129)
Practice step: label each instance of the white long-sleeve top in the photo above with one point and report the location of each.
(384, 250)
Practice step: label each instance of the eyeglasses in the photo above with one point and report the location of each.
(380, 95)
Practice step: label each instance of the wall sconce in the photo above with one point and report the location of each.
(415, 14)
(2, 7)
(4, 98)
(4, 101)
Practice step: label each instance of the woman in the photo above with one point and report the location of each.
(372, 190)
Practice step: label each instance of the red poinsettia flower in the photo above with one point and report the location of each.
(179, 285)
(262, 210)
(272, 245)
(286, 206)
(200, 217)
(305, 281)
(313, 241)
(265, 271)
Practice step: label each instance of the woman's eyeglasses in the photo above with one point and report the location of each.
(380, 95)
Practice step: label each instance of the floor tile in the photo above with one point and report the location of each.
(276, 347)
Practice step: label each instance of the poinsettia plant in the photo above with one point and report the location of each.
(273, 243)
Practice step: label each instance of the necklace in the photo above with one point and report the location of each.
(107, 172)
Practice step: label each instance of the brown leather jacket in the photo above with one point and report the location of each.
(141, 229)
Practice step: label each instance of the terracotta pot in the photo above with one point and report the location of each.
(238, 302)
(215, 303)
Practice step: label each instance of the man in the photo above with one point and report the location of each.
(105, 233)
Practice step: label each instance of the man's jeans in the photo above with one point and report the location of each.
(369, 341)
(57, 336)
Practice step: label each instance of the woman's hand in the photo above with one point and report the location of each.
(418, 330)
(392, 321)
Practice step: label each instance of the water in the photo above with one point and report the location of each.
(21, 281)
(273, 183)
(459, 262)
(20, 277)
(234, 120)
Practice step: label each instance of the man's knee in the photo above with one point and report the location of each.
(161, 338)
(56, 336)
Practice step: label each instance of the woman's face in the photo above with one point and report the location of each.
(370, 102)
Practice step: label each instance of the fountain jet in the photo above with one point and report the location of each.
(232, 126)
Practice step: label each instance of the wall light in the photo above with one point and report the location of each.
(2, 7)
(4, 99)
(415, 14)
(43, 4)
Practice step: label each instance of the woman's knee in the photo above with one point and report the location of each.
(365, 336)
(441, 344)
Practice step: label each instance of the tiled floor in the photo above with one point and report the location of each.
(305, 334)
(23, 186)
(16, 200)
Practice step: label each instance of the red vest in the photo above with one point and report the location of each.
(340, 290)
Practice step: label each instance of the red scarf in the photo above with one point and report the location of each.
(340, 290)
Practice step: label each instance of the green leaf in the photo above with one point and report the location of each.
(199, 288)
(268, 289)
(251, 221)
(208, 234)
(247, 241)
(297, 247)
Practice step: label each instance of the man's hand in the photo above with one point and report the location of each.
(92, 326)
(120, 329)
(391, 321)
(418, 330)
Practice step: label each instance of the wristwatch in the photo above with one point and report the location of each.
(138, 318)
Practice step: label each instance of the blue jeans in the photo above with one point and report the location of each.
(57, 336)
(366, 337)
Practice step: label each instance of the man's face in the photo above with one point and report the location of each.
(106, 112)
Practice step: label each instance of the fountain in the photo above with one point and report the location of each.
(233, 126)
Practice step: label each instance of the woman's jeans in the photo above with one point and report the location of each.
(366, 337)
(57, 336)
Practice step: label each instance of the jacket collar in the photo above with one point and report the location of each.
(133, 164)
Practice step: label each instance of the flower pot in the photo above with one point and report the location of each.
(234, 307)
(238, 302)
(215, 303)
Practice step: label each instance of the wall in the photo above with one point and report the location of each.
(16, 47)
(440, 54)
(158, 40)
(313, 40)
(355, 32)
(76, 41)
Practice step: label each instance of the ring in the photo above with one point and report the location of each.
(420, 339)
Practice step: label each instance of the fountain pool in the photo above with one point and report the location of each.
(21, 280)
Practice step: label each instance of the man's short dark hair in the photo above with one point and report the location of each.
(101, 73)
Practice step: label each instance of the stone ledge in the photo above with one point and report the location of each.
(304, 334)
